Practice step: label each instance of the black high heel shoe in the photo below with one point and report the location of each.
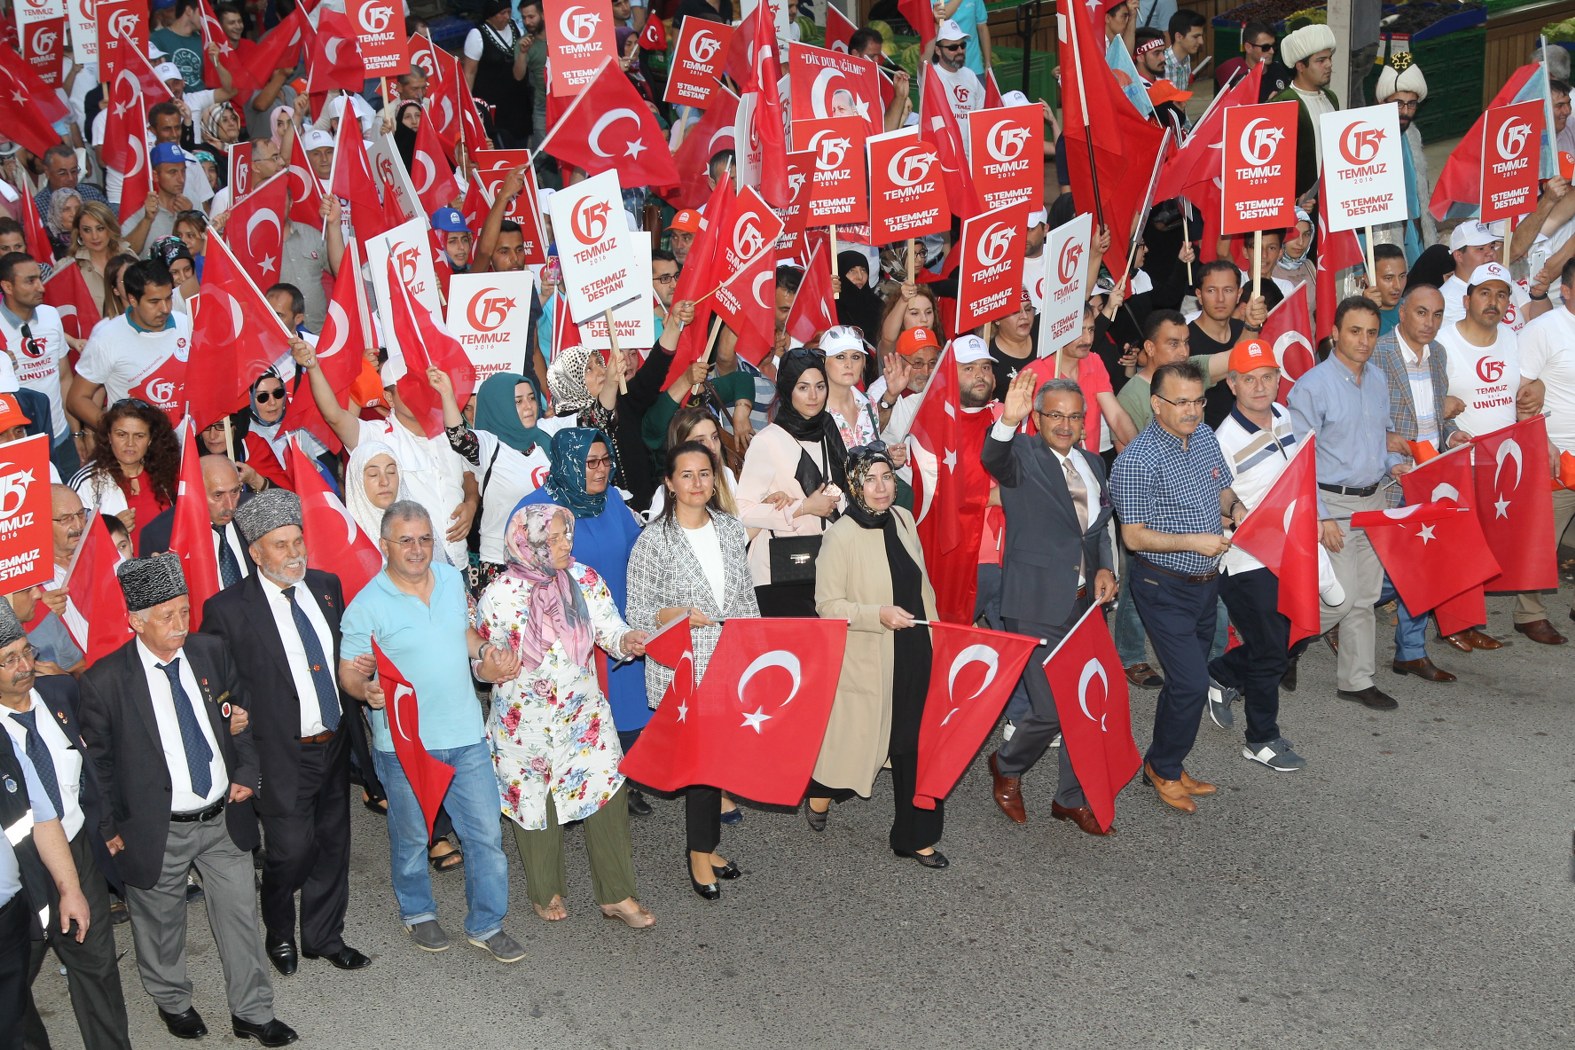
(727, 871)
(705, 890)
(815, 819)
(934, 859)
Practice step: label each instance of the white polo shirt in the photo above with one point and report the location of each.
(37, 360)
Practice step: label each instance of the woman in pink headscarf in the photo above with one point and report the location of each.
(555, 748)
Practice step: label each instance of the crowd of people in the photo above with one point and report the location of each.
(570, 509)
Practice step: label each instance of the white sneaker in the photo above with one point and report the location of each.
(1057, 741)
(1276, 754)
(1007, 730)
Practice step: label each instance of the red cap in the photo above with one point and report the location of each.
(686, 221)
(11, 414)
(1163, 91)
(1250, 355)
(915, 339)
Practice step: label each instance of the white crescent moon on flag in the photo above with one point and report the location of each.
(820, 91)
(1091, 670)
(340, 509)
(1444, 490)
(424, 162)
(973, 654)
(1290, 512)
(602, 123)
(765, 277)
(401, 691)
(775, 658)
(341, 323)
(1510, 449)
(260, 218)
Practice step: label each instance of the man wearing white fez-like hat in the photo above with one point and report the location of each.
(1309, 54)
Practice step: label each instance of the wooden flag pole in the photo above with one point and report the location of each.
(705, 355)
(1509, 233)
(1186, 237)
(229, 440)
(612, 337)
(835, 291)
(1372, 263)
(1257, 262)
(912, 268)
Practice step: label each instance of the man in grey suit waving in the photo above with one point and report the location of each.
(1057, 562)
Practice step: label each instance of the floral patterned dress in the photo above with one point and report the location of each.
(551, 728)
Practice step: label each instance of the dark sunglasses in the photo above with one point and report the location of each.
(265, 396)
(130, 402)
(953, 47)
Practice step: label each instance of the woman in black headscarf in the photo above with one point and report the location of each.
(858, 304)
(791, 487)
(407, 120)
(871, 574)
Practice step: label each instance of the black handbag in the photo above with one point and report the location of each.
(793, 558)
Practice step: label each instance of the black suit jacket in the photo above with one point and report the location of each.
(1044, 541)
(155, 538)
(59, 695)
(240, 616)
(122, 738)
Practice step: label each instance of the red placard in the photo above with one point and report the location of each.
(43, 44)
(1511, 137)
(240, 175)
(579, 40)
(1259, 159)
(990, 271)
(127, 18)
(697, 63)
(791, 244)
(492, 166)
(832, 84)
(839, 179)
(27, 548)
(907, 197)
(418, 51)
(1006, 155)
(380, 32)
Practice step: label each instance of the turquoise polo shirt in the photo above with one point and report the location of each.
(427, 642)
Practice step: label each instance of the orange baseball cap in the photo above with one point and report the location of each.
(916, 339)
(686, 221)
(1163, 91)
(11, 414)
(1250, 355)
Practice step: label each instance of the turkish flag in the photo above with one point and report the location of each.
(667, 754)
(279, 48)
(67, 291)
(443, 96)
(697, 282)
(920, 16)
(256, 226)
(334, 542)
(1288, 330)
(334, 61)
(1458, 190)
(839, 29)
(654, 36)
(1431, 551)
(746, 297)
(27, 106)
(124, 66)
(350, 179)
(1446, 479)
(191, 533)
(938, 124)
(34, 236)
(1514, 502)
(429, 778)
(1282, 532)
(430, 173)
(992, 91)
(1107, 140)
(1336, 251)
(1096, 719)
(1191, 170)
(426, 343)
(608, 126)
(765, 74)
(304, 190)
(137, 180)
(236, 336)
(95, 605)
(972, 673)
(814, 309)
(709, 136)
(341, 345)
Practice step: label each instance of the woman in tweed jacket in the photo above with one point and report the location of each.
(692, 561)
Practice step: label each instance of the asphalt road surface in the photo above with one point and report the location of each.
(1410, 888)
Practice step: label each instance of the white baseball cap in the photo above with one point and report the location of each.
(1470, 234)
(316, 138)
(1037, 218)
(1014, 98)
(1490, 272)
(950, 30)
(967, 349)
(841, 339)
(168, 71)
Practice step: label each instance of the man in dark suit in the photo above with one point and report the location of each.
(1057, 562)
(178, 786)
(224, 489)
(38, 713)
(282, 628)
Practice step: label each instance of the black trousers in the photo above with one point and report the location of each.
(92, 971)
(1258, 663)
(1178, 615)
(912, 828)
(1036, 729)
(703, 818)
(15, 949)
(309, 852)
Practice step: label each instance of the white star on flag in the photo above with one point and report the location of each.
(1501, 508)
(950, 459)
(634, 148)
(683, 712)
(266, 264)
(1427, 533)
(754, 720)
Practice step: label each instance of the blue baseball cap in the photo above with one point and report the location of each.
(167, 153)
(449, 220)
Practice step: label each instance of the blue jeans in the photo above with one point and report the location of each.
(1180, 617)
(1410, 631)
(473, 804)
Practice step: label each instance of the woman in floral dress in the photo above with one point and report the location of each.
(554, 746)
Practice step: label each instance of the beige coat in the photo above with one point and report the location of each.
(852, 582)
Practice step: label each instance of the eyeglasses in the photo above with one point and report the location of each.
(265, 396)
(1063, 417)
(410, 543)
(665, 278)
(1197, 402)
(75, 517)
(598, 462)
(25, 654)
(953, 47)
(130, 402)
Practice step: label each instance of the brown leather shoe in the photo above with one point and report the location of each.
(1008, 793)
(1196, 788)
(1082, 816)
(1423, 668)
(1170, 792)
(1542, 632)
(1332, 637)
(1460, 641)
(1144, 677)
(1482, 641)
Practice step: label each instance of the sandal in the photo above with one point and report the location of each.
(375, 803)
(442, 862)
(637, 919)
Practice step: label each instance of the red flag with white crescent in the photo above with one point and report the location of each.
(1514, 502)
(1446, 479)
(972, 673)
(236, 336)
(711, 135)
(1091, 698)
(334, 542)
(665, 756)
(67, 291)
(426, 343)
(430, 173)
(1282, 532)
(191, 532)
(1431, 551)
(609, 126)
(256, 228)
(429, 778)
(95, 605)
(1288, 331)
(334, 59)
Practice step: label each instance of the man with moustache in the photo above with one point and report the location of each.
(282, 628)
(1058, 561)
(1401, 83)
(1172, 491)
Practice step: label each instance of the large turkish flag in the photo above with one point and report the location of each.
(1431, 551)
(972, 672)
(1514, 502)
(1446, 478)
(429, 778)
(334, 542)
(1096, 719)
(1282, 532)
(191, 533)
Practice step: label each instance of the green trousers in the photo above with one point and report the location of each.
(606, 841)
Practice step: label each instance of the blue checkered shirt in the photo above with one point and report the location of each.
(1158, 483)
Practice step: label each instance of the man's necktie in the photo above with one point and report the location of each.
(1079, 491)
(322, 678)
(198, 752)
(229, 568)
(38, 754)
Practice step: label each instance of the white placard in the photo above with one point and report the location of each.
(406, 244)
(389, 169)
(594, 246)
(1065, 281)
(635, 320)
(489, 313)
(1363, 167)
(82, 16)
